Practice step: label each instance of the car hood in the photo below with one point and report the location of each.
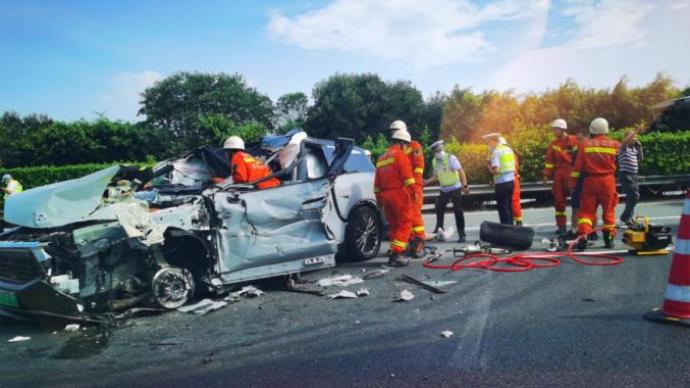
(61, 203)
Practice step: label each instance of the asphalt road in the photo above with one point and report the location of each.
(570, 325)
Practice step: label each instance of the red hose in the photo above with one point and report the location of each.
(526, 261)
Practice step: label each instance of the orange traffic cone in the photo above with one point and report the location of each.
(676, 308)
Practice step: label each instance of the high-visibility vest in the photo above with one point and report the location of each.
(446, 176)
(506, 159)
(18, 188)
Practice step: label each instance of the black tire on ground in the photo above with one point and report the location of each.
(362, 234)
(506, 236)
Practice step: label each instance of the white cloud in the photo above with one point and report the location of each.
(422, 33)
(121, 101)
(610, 39)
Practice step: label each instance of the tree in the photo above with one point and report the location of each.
(355, 106)
(291, 111)
(179, 102)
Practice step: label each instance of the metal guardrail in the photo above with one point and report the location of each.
(482, 196)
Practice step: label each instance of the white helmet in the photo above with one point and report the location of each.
(6, 177)
(234, 143)
(490, 136)
(402, 135)
(502, 140)
(436, 145)
(559, 123)
(397, 125)
(599, 126)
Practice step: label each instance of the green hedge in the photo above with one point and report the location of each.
(664, 153)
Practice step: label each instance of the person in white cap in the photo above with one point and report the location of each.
(502, 167)
(12, 186)
(451, 176)
(557, 164)
(596, 161)
(245, 168)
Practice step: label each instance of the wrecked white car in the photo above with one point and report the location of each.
(102, 242)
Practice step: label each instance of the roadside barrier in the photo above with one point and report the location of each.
(522, 262)
(676, 307)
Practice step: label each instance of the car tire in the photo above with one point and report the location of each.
(363, 234)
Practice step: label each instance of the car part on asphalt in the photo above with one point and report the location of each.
(426, 286)
(509, 236)
(404, 296)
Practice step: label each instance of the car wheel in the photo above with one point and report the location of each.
(172, 287)
(363, 234)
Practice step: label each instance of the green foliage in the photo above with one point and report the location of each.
(290, 111)
(188, 106)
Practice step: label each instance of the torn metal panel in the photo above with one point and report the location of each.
(60, 203)
(135, 219)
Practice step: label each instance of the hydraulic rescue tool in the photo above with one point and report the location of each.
(647, 239)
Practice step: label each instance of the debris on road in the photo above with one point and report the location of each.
(72, 327)
(204, 307)
(19, 338)
(249, 291)
(441, 283)
(362, 292)
(424, 285)
(446, 334)
(340, 281)
(379, 273)
(344, 294)
(304, 287)
(404, 296)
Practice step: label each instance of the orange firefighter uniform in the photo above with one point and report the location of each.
(517, 207)
(393, 187)
(415, 153)
(558, 164)
(246, 168)
(596, 161)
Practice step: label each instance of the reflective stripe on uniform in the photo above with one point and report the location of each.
(584, 221)
(518, 219)
(385, 162)
(548, 165)
(600, 150)
(418, 229)
(409, 182)
(678, 293)
(408, 150)
(561, 214)
(249, 159)
(376, 189)
(398, 243)
(682, 246)
(419, 170)
(575, 174)
(610, 226)
(556, 148)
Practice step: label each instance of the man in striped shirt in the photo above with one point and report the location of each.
(628, 160)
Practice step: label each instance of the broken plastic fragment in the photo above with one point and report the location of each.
(441, 283)
(344, 294)
(72, 327)
(363, 292)
(405, 296)
(376, 274)
(340, 281)
(250, 291)
(203, 307)
(446, 334)
(19, 338)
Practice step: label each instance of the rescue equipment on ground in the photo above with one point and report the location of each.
(647, 239)
(507, 236)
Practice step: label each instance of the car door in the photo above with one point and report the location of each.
(266, 230)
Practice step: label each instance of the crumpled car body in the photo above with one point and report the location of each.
(106, 242)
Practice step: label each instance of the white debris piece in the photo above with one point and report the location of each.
(250, 291)
(344, 294)
(405, 296)
(72, 327)
(446, 334)
(205, 306)
(19, 338)
(441, 283)
(362, 292)
(340, 281)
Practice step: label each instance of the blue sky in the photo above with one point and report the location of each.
(76, 59)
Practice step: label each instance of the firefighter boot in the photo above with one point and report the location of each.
(581, 244)
(608, 240)
(416, 250)
(396, 260)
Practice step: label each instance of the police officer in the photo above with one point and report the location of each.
(12, 186)
(502, 167)
(449, 173)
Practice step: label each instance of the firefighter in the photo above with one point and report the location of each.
(244, 168)
(415, 153)
(558, 165)
(517, 206)
(12, 186)
(393, 187)
(502, 167)
(596, 160)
